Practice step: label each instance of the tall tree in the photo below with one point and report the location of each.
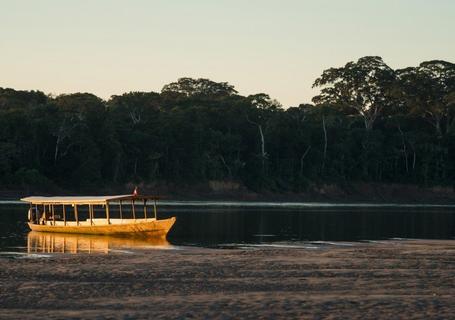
(79, 135)
(429, 91)
(189, 87)
(259, 114)
(135, 118)
(360, 87)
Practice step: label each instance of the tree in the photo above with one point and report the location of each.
(135, 121)
(188, 87)
(78, 129)
(262, 109)
(18, 99)
(429, 92)
(360, 87)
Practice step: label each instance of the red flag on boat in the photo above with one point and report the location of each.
(135, 191)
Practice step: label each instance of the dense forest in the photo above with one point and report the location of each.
(370, 123)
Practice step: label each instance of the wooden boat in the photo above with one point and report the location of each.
(82, 215)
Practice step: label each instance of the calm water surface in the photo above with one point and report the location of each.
(228, 225)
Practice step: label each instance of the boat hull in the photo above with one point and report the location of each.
(153, 228)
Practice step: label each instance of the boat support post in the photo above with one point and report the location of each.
(64, 215)
(107, 213)
(145, 209)
(154, 207)
(75, 213)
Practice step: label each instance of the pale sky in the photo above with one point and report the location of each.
(277, 47)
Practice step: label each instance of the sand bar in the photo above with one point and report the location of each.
(413, 279)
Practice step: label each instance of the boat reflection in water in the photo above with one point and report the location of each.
(49, 242)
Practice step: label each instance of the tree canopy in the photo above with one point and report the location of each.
(369, 123)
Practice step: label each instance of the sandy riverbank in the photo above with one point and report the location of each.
(387, 280)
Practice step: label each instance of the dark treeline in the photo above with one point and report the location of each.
(369, 123)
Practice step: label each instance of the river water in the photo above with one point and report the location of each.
(233, 224)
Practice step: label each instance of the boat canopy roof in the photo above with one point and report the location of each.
(86, 199)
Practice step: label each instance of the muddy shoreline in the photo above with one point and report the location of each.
(388, 280)
(228, 191)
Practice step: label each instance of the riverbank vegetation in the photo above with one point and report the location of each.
(369, 123)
